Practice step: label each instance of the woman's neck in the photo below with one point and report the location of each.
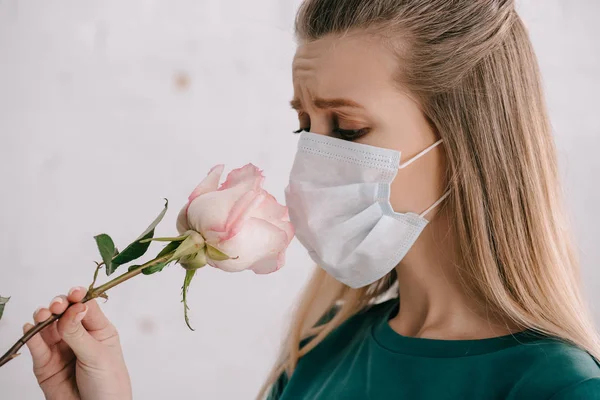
(433, 301)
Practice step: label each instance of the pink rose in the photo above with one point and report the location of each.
(240, 219)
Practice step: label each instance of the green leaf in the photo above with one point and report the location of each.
(158, 267)
(215, 254)
(107, 249)
(3, 301)
(132, 252)
(154, 268)
(155, 223)
(137, 249)
(171, 247)
(189, 275)
(150, 270)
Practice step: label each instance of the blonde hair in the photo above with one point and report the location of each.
(471, 66)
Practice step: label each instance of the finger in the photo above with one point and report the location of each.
(76, 294)
(39, 349)
(85, 347)
(49, 333)
(95, 320)
(58, 305)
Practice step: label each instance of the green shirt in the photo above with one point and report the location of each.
(365, 359)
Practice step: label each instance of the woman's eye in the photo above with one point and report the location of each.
(303, 121)
(349, 134)
(303, 129)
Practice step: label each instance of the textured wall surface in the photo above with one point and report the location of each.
(108, 106)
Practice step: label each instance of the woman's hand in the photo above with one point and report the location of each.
(79, 356)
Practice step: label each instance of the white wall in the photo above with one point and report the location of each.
(108, 106)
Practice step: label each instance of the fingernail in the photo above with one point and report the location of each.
(27, 327)
(37, 310)
(75, 288)
(80, 316)
(57, 299)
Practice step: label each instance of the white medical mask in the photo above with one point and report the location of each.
(339, 202)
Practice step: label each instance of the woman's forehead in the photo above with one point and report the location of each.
(343, 66)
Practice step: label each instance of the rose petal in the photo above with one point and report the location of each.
(210, 182)
(287, 227)
(249, 176)
(269, 265)
(270, 210)
(210, 212)
(257, 240)
(240, 212)
(182, 220)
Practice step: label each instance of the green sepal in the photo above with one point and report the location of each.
(3, 301)
(171, 247)
(189, 275)
(191, 245)
(166, 239)
(194, 261)
(136, 249)
(215, 254)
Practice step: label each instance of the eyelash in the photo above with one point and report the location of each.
(345, 134)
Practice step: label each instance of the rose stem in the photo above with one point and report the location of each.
(92, 293)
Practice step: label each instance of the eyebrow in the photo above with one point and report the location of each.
(326, 103)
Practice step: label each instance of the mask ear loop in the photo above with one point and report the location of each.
(422, 153)
(434, 205)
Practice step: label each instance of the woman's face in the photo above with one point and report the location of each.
(345, 88)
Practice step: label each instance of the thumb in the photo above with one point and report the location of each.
(72, 332)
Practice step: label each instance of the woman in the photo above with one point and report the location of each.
(490, 297)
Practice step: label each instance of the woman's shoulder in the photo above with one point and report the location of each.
(558, 370)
